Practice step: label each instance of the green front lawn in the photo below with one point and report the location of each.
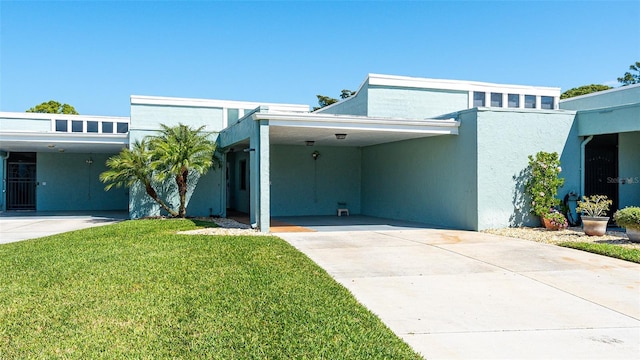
(610, 250)
(138, 290)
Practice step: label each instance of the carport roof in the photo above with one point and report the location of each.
(298, 128)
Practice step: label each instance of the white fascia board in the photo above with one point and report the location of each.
(212, 103)
(121, 139)
(45, 116)
(402, 128)
(447, 126)
(458, 85)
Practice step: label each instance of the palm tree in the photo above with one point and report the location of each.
(179, 151)
(132, 166)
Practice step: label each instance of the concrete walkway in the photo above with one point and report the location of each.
(462, 295)
(17, 226)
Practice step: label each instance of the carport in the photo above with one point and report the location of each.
(286, 164)
(51, 162)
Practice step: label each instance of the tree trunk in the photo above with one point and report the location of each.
(181, 180)
(154, 195)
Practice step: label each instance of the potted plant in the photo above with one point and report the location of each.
(594, 214)
(555, 220)
(543, 182)
(629, 218)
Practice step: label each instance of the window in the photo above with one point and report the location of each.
(496, 99)
(107, 127)
(530, 101)
(243, 174)
(478, 99)
(546, 102)
(61, 125)
(513, 100)
(76, 126)
(123, 128)
(92, 126)
(232, 116)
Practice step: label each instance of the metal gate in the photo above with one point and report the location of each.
(601, 168)
(21, 186)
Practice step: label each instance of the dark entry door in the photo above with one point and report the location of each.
(21, 181)
(601, 168)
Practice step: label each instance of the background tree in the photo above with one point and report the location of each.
(346, 93)
(629, 78)
(53, 107)
(326, 100)
(132, 166)
(180, 151)
(583, 90)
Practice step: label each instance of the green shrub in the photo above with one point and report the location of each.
(628, 217)
(543, 183)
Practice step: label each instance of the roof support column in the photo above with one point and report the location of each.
(260, 178)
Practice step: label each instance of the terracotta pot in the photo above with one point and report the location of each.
(595, 225)
(547, 224)
(633, 234)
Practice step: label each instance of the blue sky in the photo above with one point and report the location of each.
(94, 55)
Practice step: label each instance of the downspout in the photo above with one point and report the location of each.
(583, 144)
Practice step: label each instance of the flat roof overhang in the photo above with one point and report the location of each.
(68, 143)
(297, 129)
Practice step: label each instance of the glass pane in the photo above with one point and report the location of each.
(76, 126)
(61, 125)
(496, 99)
(530, 101)
(546, 102)
(92, 126)
(123, 128)
(514, 100)
(107, 127)
(232, 116)
(478, 99)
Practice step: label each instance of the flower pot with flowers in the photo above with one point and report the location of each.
(555, 220)
(543, 183)
(594, 214)
(629, 218)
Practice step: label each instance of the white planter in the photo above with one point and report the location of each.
(595, 225)
(633, 234)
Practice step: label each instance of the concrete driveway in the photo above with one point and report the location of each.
(17, 226)
(462, 295)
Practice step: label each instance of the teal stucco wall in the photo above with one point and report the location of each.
(429, 180)
(611, 120)
(505, 140)
(629, 169)
(301, 185)
(414, 103)
(67, 182)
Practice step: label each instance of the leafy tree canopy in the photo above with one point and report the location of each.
(53, 107)
(327, 100)
(629, 77)
(583, 90)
